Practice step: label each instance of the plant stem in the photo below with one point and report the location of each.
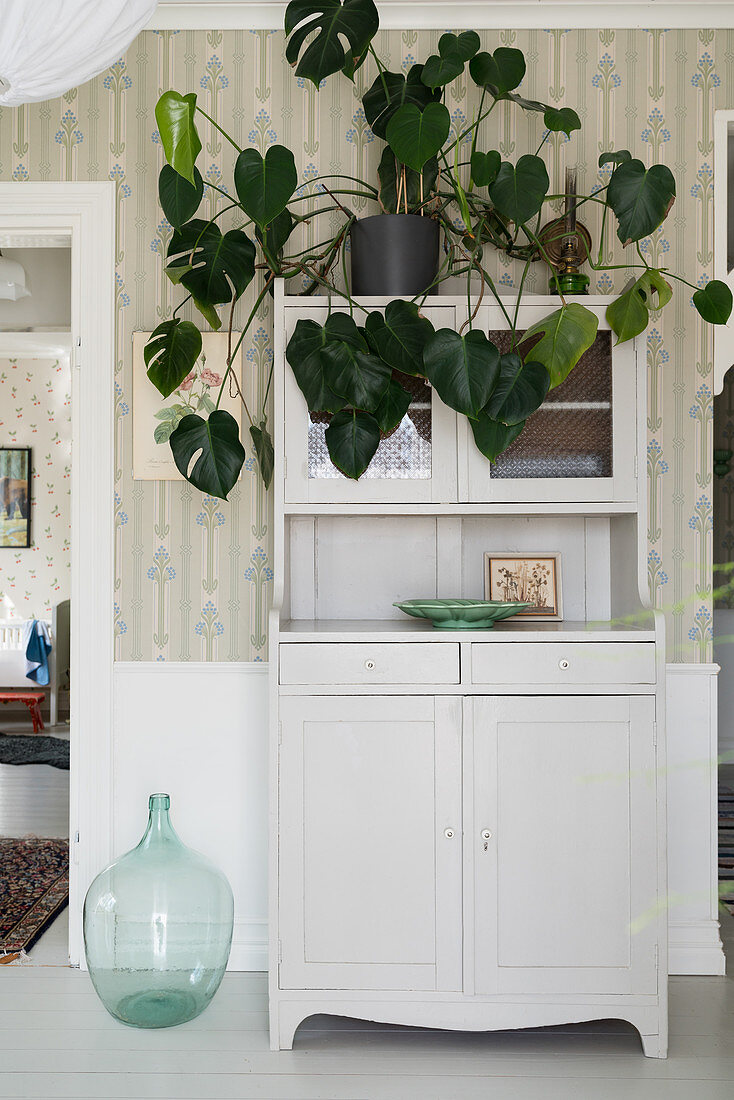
(218, 127)
(232, 353)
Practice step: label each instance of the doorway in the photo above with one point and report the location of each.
(82, 216)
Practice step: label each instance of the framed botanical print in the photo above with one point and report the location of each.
(15, 497)
(533, 578)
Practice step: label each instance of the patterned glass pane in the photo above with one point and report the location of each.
(571, 433)
(403, 453)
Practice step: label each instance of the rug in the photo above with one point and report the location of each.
(34, 888)
(34, 750)
(726, 848)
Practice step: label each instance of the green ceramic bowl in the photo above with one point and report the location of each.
(462, 614)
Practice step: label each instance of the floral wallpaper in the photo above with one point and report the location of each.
(193, 573)
(35, 411)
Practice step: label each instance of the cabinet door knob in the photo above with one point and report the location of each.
(486, 834)
(449, 834)
(563, 664)
(369, 665)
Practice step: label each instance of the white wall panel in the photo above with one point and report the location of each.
(199, 732)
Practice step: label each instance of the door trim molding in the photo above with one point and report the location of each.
(86, 213)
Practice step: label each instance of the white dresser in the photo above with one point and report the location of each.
(467, 827)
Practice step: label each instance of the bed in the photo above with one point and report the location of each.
(12, 656)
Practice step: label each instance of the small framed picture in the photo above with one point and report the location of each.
(534, 578)
(15, 497)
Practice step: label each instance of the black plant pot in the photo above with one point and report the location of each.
(394, 254)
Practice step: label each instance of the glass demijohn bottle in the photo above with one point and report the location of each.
(158, 928)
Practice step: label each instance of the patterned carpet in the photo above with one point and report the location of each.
(34, 888)
(726, 848)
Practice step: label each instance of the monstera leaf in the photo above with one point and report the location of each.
(629, 314)
(273, 239)
(399, 336)
(519, 390)
(265, 184)
(393, 406)
(179, 199)
(618, 157)
(565, 335)
(453, 53)
(327, 23)
(171, 353)
(640, 197)
(652, 285)
(208, 452)
(499, 72)
(391, 176)
(519, 189)
(491, 436)
(174, 114)
(484, 167)
(352, 438)
(714, 302)
(391, 91)
(312, 373)
(561, 119)
(462, 369)
(264, 452)
(416, 135)
(216, 260)
(359, 377)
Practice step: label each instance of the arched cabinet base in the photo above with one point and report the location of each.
(287, 1016)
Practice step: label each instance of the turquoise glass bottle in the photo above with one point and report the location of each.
(158, 928)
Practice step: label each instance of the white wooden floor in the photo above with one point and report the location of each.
(57, 1041)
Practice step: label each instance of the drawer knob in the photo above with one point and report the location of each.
(563, 664)
(486, 834)
(449, 834)
(369, 665)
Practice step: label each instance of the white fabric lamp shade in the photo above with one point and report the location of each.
(12, 280)
(49, 46)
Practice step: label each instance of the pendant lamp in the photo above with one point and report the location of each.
(12, 280)
(49, 46)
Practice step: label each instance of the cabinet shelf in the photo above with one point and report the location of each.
(375, 630)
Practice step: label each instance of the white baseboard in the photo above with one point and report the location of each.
(695, 947)
(249, 945)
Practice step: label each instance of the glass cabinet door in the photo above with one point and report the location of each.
(580, 444)
(416, 462)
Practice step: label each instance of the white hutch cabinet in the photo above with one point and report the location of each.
(467, 828)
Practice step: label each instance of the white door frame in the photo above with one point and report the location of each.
(86, 213)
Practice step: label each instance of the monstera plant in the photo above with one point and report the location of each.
(355, 374)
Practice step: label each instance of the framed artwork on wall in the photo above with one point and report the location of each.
(532, 577)
(155, 417)
(15, 497)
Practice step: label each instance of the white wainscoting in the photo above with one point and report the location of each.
(694, 943)
(199, 732)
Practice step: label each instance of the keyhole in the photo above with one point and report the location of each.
(486, 846)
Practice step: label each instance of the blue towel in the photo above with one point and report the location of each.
(38, 647)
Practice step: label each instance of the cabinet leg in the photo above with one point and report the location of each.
(654, 1046)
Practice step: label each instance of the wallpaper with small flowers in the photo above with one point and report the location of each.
(35, 411)
(193, 573)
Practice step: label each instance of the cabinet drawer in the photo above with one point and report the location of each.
(378, 663)
(556, 663)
